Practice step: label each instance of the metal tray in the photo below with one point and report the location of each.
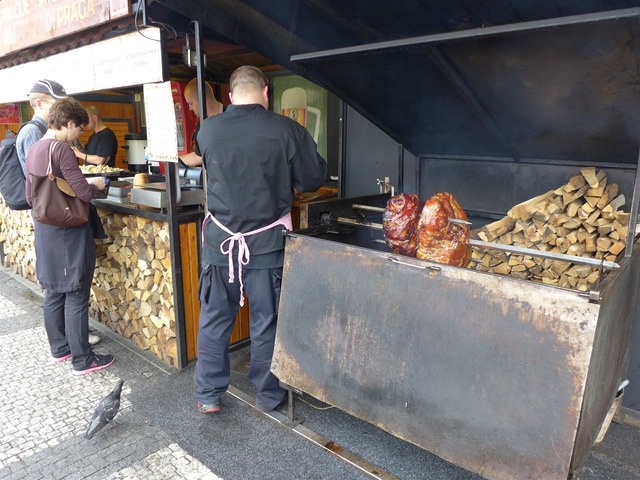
(106, 175)
(119, 188)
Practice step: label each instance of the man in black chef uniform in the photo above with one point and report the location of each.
(213, 106)
(102, 147)
(256, 162)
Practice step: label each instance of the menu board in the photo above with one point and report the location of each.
(162, 143)
(131, 59)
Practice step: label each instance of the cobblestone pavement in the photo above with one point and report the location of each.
(45, 409)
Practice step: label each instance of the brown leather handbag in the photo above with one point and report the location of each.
(53, 200)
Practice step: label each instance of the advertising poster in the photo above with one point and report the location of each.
(10, 113)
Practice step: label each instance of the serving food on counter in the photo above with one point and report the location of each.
(429, 231)
(99, 169)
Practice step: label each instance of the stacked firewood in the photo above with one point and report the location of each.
(16, 237)
(580, 218)
(133, 288)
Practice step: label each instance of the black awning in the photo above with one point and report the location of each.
(509, 78)
(565, 92)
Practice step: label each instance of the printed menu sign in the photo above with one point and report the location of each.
(129, 59)
(162, 143)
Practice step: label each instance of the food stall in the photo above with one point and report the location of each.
(496, 104)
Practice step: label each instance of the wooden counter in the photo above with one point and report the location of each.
(146, 280)
(145, 284)
(137, 270)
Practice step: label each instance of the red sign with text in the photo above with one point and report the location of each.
(24, 23)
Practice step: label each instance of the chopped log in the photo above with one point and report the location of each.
(573, 207)
(593, 277)
(615, 204)
(610, 192)
(603, 244)
(622, 217)
(583, 213)
(525, 210)
(502, 268)
(597, 191)
(593, 217)
(589, 174)
(590, 243)
(577, 249)
(622, 232)
(483, 236)
(590, 204)
(542, 214)
(557, 201)
(605, 229)
(590, 228)
(580, 193)
(572, 224)
(616, 248)
(575, 183)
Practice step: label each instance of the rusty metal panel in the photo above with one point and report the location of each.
(486, 371)
(618, 298)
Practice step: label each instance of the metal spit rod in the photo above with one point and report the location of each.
(359, 206)
(498, 246)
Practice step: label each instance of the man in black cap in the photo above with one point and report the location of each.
(42, 95)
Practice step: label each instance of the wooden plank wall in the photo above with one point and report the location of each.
(190, 275)
(119, 117)
(5, 127)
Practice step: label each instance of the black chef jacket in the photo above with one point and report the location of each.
(254, 158)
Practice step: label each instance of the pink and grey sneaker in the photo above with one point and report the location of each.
(61, 359)
(213, 407)
(97, 362)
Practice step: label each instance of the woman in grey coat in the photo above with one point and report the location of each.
(65, 256)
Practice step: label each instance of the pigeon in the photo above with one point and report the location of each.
(106, 411)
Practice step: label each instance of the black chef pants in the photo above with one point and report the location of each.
(219, 304)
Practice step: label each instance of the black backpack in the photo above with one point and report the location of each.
(12, 178)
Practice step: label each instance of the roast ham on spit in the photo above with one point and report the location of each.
(400, 223)
(440, 239)
(427, 232)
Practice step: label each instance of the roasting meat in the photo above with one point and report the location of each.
(439, 239)
(400, 223)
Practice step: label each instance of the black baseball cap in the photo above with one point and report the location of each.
(49, 87)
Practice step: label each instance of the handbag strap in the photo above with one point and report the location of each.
(51, 148)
